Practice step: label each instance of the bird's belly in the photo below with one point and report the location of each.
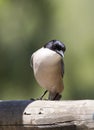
(49, 76)
(47, 70)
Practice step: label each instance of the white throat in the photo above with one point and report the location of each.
(46, 55)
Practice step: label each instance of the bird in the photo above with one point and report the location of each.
(48, 67)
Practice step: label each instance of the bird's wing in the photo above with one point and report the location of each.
(62, 67)
(31, 61)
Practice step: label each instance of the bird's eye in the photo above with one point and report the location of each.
(57, 47)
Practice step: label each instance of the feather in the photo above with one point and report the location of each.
(62, 67)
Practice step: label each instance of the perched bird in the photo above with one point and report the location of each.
(48, 67)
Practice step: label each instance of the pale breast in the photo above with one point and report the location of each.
(47, 69)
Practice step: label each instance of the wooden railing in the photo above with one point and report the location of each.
(47, 115)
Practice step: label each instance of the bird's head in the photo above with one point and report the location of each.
(56, 46)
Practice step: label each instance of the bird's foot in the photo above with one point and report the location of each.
(54, 96)
(41, 97)
(57, 97)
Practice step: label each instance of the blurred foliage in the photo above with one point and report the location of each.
(26, 25)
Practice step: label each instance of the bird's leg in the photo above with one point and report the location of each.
(40, 98)
(54, 96)
(57, 97)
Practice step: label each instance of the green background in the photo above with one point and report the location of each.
(26, 25)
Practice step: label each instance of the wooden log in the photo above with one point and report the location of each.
(47, 115)
(78, 113)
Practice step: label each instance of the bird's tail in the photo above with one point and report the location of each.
(54, 96)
